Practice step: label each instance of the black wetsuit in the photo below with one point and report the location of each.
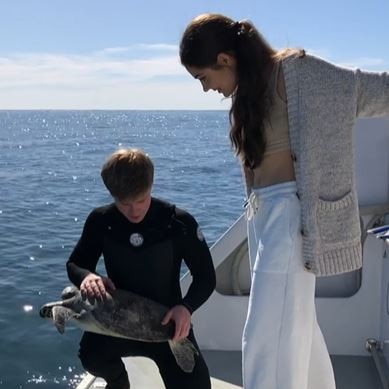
(144, 258)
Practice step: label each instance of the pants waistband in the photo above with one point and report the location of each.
(259, 195)
(277, 189)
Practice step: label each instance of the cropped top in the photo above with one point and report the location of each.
(276, 125)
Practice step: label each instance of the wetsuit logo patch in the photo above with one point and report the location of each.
(136, 239)
(200, 235)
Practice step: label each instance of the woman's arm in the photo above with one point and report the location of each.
(373, 94)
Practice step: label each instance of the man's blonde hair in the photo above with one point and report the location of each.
(128, 173)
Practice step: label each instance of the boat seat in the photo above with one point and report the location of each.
(233, 278)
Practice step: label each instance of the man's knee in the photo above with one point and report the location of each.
(112, 370)
(92, 362)
(92, 355)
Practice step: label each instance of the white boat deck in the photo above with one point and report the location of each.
(351, 372)
(143, 372)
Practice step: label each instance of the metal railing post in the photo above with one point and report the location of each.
(373, 346)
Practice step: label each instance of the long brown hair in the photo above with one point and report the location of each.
(210, 34)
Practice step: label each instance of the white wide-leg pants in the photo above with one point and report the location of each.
(283, 347)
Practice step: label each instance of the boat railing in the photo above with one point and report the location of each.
(375, 347)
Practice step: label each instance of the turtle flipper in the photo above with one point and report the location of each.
(184, 353)
(61, 315)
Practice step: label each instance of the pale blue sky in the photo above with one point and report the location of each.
(122, 54)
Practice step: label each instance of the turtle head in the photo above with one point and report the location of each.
(59, 314)
(69, 296)
(70, 307)
(46, 310)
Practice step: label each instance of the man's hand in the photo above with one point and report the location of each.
(94, 287)
(182, 318)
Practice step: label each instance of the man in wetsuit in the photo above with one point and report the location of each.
(143, 241)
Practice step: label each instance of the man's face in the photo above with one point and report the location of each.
(135, 209)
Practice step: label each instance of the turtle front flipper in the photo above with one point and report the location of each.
(61, 315)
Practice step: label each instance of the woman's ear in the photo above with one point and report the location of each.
(224, 59)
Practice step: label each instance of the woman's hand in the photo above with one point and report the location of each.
(182, 318)
(94, 287)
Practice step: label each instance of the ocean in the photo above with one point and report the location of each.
(49, 182)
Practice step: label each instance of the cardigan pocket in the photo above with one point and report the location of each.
(338, 220)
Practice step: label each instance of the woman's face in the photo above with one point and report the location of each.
(221, 78)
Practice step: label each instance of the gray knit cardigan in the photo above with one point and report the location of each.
(324, 102)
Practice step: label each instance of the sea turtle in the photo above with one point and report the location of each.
(122, 314)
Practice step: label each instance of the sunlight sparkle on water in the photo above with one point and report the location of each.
(27, 308)
(37, 380)
(72, 382)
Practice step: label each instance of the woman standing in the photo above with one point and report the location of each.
(292, 117)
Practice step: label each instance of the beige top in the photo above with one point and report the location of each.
(277, 164)
(276, 126)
